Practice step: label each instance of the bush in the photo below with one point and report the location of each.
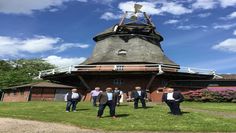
(206, 95)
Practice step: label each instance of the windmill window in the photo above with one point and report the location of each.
(122, 52)
(118, 82)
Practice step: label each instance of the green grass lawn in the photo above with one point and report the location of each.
(225, 107)
(155, 118)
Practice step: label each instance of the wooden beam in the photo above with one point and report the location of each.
(150, 82)
(2, 96)
(84, 83)
(123, 18)
(148, 19)
(29, 96)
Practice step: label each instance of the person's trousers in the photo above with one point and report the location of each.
(71, 103)
(174, 107)
(110, 104)
(94, 100)
(117, 100)
(142, 101)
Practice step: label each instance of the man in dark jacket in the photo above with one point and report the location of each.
(173, 99)
(72, 98)
(137, 95)
(118, 94)
(106, 98)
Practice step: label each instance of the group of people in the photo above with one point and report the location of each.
(111, 98)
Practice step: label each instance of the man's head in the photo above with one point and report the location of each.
(116, 88)
(97, 88)
(108, 89)
(74, 90)
(170, 90)
(137, 88)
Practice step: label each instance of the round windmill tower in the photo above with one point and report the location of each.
(126, 55)
(132, 41)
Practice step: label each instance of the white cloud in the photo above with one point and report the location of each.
(148, 7)
(204, 4)
(174, 8)
(10, 46)
(227, 45)
(189, 27)
(66, 46)
(60, 61)
(38, 44)
(204, 15)
(232, 15)
(27, 7)
(225, 27)
(110, 16)
(234, 32)
(106, 2)
(172, 21)
(152, 9)
(227, 3)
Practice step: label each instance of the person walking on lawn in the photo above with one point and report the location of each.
(72, 98)
(107, 98)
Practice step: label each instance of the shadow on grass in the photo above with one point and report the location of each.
(122, 105)
(118, 115)
(145, 108)
(183, 112)
(81, 109)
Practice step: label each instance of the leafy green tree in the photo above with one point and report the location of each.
(17, 72)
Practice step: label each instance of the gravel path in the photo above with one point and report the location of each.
(9, 125)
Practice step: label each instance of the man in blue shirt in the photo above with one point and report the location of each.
(139, 94)
(106, 99)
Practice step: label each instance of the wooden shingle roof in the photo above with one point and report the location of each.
(42, 84)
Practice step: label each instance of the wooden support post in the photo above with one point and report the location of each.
(150, 82)
(2, 96)
(148, 19)
(123, 18)
(84, 83)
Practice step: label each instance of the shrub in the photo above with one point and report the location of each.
(206, 95)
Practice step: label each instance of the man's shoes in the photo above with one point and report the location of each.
(114, 117)
(74, 111)
(99, 117)
(67, 111)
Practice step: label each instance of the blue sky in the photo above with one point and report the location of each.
(197, 33)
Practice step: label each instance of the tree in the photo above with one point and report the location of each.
(17, 72)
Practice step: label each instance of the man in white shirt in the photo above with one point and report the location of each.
(173, 99)
(106, 98)
(139, 94)
(72, 98)
(118, 93)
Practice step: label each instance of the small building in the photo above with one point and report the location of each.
(41, 91)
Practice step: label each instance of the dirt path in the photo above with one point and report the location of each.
(9, 125)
